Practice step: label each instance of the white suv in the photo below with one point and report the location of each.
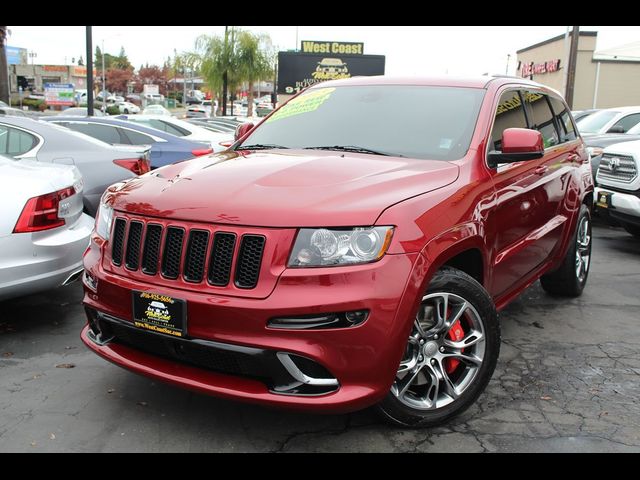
(618, 192)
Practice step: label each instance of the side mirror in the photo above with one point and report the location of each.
(518, 144)
(616, 129)
(242, 130)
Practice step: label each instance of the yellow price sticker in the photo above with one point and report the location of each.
(305, 103)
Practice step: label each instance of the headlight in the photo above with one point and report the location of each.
(104, 220)
(594, 151)
(316, 247)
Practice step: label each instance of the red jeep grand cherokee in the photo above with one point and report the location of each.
(351, 250)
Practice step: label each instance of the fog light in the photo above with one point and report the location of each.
(90, 281)
(321, 321)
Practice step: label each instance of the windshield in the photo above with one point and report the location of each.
(594, 123)
(634, 130)
(409, 121)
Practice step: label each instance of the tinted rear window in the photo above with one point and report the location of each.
(411, 121)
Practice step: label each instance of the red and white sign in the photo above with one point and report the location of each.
(529, 69)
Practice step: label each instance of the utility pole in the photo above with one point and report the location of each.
(225, 77)
(89, 72)
(104, 95)
(506, 70)
(571, 74)
(4, 67)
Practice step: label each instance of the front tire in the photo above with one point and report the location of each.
(632, 229)
(570, 279)
(450, 355)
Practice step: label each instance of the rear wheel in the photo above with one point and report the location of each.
(632, 229)
(450, 355)
(570, 279)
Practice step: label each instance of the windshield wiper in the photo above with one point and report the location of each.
(354, 149)
(261, 146)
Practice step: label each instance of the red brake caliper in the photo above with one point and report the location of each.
(455, 334)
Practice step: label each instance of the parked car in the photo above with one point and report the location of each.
(127, 107)
(183, 129)
(156, 110)
(263, 109)
(334, 258)
(100, 163)
(165, 148)
(135, 99)
(81, 112)
(43, 232)
(153, 98)
(218, 124)
(580, 115)
(198, 111)
(611, 120)
(12, 112)
(597, 143)
(618, 185)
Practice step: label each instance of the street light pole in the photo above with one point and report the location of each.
(224, 76)
(104, 95)
(89, 72)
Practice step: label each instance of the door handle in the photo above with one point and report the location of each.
(541, 170)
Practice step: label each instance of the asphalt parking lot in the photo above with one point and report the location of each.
(568, 379)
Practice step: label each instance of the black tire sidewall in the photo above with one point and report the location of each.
(451, 280)
(564, 281)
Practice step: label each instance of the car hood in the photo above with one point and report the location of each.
(281, 189)
(609, 139)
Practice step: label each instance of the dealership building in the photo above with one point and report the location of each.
(603, 78)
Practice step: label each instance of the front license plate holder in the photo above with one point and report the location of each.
(160, 313)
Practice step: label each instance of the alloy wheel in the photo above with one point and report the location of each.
(583, 249)
(444, 353)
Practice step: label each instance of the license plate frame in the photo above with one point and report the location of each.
(159, 313)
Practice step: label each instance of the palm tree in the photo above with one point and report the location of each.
(4, 73)
(253, 61)
(244, 56)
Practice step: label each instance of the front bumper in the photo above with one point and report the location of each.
(624, 206)
(362, 359)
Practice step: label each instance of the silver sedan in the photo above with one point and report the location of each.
(101, 164)
(43, 232)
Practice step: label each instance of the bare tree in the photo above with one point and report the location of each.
(4, 71)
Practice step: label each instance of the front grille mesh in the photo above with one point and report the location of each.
(249, 261)
(151, 251)
(620, 168)
(172, 253)
(196, 254)
(221, 258)
(118, 241)
(133, 245)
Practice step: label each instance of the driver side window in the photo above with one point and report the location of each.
(509, 114)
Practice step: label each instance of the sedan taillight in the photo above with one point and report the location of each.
(138, 166)
(198, 152)
(41, 213)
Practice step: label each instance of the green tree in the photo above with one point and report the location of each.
(4, 78)
(254, 61)
(245, 57)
